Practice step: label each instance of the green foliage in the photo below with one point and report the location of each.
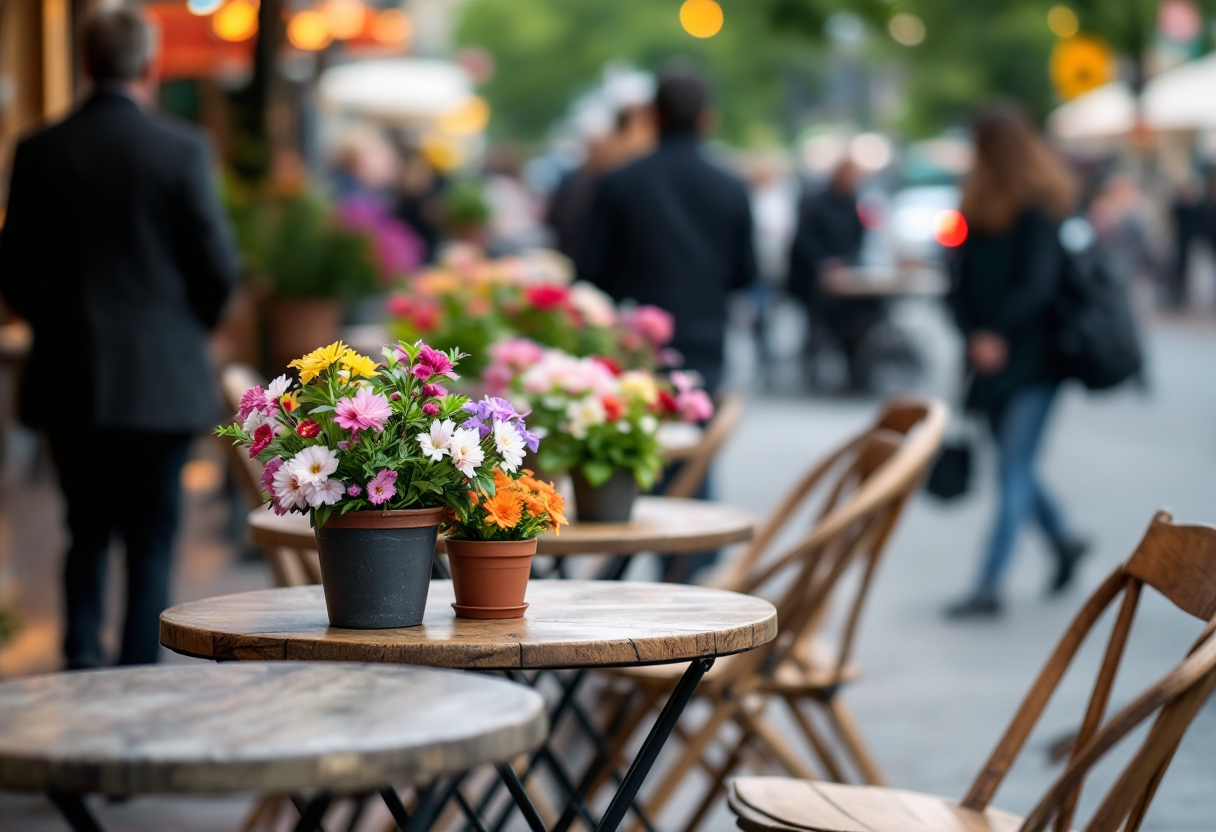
(294, 242)
(9, 622)
(463, 204)
(548, 51)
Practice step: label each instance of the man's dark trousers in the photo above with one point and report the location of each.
(127, 482)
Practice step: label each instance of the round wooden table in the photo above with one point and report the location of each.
(664, 525)
(568, 625)
(271, 727)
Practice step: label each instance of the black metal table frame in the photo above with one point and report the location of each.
(430, 801)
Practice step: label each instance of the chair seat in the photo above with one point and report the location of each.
(763, 804)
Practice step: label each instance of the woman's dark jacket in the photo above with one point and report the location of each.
(1006, 283)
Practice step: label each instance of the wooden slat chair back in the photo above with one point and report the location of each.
(1177, 561)
(857, 495)
(1180, 563)
(687, 483)
(290, 567)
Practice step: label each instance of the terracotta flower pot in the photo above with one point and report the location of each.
(611, 502)
(376, 567)
(490, 577)
(297, 326)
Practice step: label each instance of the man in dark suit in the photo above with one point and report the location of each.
(116, 251)
(675, 230)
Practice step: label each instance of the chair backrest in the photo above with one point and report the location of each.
(728, 410)
(1180, 563)
(863, 488)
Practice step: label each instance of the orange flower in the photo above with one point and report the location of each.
(556, 506)
(536, 506)
(536, 486)
(504, 509)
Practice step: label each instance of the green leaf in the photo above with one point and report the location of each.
(597, 473)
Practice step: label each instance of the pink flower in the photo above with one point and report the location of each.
(434, 391)
(365, 410)
(439, 363)
(422, 372)
(547, 297)
(517, 353)
(383, 487)
(395, 396)
(430, 409)
(656, 325)
(252, 399)
(354, 491)
(268, 473)
(262, 437)
(695, 406)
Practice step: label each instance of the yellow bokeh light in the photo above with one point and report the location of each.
(393, 27)
(906, 29)
(345, 17)
(237, 20)
(443, 153)
(466, 119)
(701, 18)
(309, 31)
(1062, 21)
(1081, 64)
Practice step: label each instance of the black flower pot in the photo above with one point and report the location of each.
(611, 502)
(376, 567)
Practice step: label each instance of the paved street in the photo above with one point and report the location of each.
(934, 696)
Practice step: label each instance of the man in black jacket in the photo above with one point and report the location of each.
(675, 230)
(116, 251)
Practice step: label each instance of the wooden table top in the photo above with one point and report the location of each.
(257, 726)
(568, 624)
(665, 525)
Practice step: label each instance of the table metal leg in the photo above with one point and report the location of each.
(312, 812)
(655, 740)
(78, 816)
(520, 796)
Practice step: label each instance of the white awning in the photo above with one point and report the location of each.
(1105, 112)
(401, 89)
(1183, 98)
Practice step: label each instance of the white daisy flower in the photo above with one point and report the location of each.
(466, 451)
(436, 444)
(313, 465)
(510, 444)
(324, 493)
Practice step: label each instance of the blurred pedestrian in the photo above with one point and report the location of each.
(1188, 211)
(117, 252)
(674, 229)
(828, 240)
(1004, 283)
(514, 210)
(620, 139)
(418, 198)
(774, 210)
(1117, 215)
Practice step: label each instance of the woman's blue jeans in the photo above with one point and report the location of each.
(1017, 425)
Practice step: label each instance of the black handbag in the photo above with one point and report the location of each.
(950, 476)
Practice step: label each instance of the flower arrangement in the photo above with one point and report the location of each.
(474, 302)
(353, 435)
(520, 508)
(597, 418)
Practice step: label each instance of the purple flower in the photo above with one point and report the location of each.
(354, 491)
(430, 409)
(344, 445)
(530, 439)
(268, 474)
(383, 487)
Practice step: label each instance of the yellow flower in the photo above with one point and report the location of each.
(359, 365)
(640, 384)
(318, 361)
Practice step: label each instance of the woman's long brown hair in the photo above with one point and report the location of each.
(1014, 169)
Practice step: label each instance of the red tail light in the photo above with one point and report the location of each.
(949, 228)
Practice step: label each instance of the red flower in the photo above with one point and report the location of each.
(308, 428)
(613, 407)
(262, 437)
(667, 402)
(609, 363)
(545, 297)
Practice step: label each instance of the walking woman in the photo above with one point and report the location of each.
(1004, 282)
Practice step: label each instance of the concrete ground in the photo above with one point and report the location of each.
(934, 696)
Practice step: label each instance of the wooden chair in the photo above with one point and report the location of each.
(687, 483)
(860, 491)
(1177, 561)
(290, 567)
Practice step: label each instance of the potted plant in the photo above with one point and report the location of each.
(377, 456)
(600, 423)
(490, 551)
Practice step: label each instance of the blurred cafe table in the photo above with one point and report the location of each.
(569, 625)
(258, 726)
(885, 282)
(664, 525)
